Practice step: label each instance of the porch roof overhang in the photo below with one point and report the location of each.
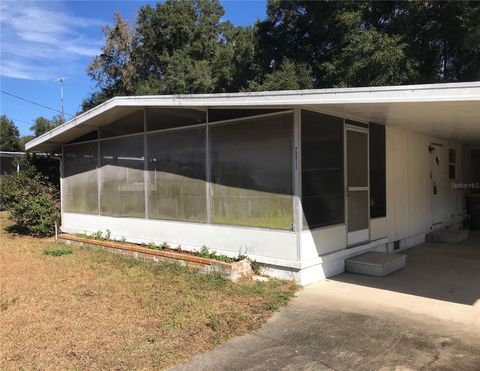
(448, 111)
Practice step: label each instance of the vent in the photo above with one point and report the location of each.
(396, 245)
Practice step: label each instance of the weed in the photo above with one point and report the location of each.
(205, 253)
(57, 252)
(256, 267)
(154, 246)
(98, 235)
(213, 322)
(5, 303)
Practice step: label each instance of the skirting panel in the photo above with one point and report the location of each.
(261, 243)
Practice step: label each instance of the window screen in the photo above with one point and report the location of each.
(378, 203)
(122, 186)
(229, 114)
(165, 118)
(131, 124)
(252, 172)
(80, 185)
(176, 177)
(322, 170)
(93, 135)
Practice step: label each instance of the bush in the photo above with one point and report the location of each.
(31, 199)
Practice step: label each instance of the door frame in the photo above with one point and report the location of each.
(364, 130)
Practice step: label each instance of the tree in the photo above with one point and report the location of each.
(179, 47)
(374, 43)
(289, 76)
(114, 68)
(42, 125)
(24, 140)
(9, 135)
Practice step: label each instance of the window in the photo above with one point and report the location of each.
(378, 203)
(452, 163)
(80, 185)
(176, 175)
(122, 186)
(251, 172)
(322, 170)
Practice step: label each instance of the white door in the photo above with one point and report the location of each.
(357, 191)
(436, 175)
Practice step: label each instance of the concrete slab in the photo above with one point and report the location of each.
(377, 264)
(451, 236)
(423, 317)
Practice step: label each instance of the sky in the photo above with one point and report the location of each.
(43, 40)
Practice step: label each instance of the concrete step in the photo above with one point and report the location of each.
(375, 263)
(450, 236)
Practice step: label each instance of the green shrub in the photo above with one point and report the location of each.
(31, 199)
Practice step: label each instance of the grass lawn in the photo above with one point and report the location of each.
(95, 310)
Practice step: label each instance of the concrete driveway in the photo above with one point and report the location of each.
(425, 317)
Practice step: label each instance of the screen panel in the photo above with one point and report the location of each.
(357, 159)
(176, 175)
(130, 124)
(251, 169)
(358, 211)
(322, 170)
(222, 114)
(80, 181)
(166, 118)
(122, 186)
(378, 194)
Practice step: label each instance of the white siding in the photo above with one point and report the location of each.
(409, 187)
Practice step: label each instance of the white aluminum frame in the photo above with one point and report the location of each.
(206, 125)
(349, 127)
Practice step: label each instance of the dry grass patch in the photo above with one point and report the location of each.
(93, 310)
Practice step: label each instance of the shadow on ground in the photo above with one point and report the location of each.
(447, 272)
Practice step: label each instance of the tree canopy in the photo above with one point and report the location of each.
(10, 139)
(9, 135)
(42, 125)
(186, 47)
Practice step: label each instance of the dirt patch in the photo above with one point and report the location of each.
(94, 310)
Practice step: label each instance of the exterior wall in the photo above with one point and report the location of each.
(311, 255)
(378, 228)
(409, 187)
(323, 241)
(409, 206)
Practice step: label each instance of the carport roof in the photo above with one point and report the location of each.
(449, 111)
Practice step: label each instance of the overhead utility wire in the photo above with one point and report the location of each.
(35, 103)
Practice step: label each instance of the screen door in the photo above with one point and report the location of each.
(357, 192)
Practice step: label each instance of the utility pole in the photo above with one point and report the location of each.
(61, 80)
